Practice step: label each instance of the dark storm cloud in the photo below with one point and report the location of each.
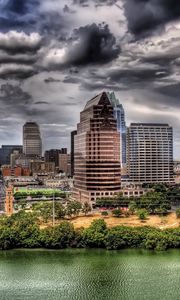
(92, 85)
(19, 7)
(26, 59)
(119, 78)
(17, 72)
(51, 79)
(86, 3)
(15, 102)
(18, 14)
(7, 23)
(19, 54)
(41, 103)
(171, 90)
(91, 44)
(27, 15)
(14, 95)
(161, 59)
(70, 79)
(144, 16)
(137, 76)
(96, 44)
(52, 25)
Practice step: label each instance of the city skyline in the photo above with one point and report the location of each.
(112, 98)
(47, 74)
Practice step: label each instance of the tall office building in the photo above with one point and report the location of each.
(119, 114)
(150, 152)
(73, 134)
(97, 151)
(32, 143)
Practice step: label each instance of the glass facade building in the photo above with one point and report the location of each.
(96, 152)
(119, 114)
(150, 153)
(73, 134)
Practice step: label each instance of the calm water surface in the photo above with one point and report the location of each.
(89, 275)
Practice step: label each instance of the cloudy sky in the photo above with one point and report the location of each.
(57, 54)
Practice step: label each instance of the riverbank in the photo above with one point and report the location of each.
(22, 231)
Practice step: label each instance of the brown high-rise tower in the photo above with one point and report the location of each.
(97, 152)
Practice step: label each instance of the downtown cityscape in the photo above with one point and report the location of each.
(106, 156)
(89, 149)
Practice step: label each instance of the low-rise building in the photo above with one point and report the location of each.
(16, 171)
(21, 181)
(134, 191)
(42, 168)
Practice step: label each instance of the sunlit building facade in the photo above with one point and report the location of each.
(96, 151)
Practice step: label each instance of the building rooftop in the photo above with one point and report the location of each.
(96, 100)
(149, 124)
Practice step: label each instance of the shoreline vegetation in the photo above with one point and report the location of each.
(21, 230)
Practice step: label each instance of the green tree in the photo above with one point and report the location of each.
(73, 208)
(20, 230)
(161, 211)
(44, 210)
(120, 200)
(153, 200)
(117, 213)
(86, 208)
(132, 207)
(178, 213)
(94, 236)
(160, 188)
(59, 210)
(104, 202)
(60, 236)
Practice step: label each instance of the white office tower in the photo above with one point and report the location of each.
(32, 143)
(150, 153)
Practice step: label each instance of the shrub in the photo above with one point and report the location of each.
(104, 213)
(142, 214)
(117, 213)
(178, 213)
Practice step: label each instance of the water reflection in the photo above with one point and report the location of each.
(89, 274)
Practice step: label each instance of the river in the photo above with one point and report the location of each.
(89, 275)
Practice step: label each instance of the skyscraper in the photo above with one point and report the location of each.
(119, 114)
(73, 134)
(32, 143)
(150, 152)
(97, 151)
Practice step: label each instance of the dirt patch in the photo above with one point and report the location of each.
(169, 221)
